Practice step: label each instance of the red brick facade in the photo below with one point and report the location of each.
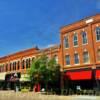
(92, 46)
(16, 61)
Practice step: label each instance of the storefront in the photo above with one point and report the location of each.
(79, 79)
(12, 81)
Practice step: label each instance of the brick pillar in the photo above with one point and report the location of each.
(20, 64)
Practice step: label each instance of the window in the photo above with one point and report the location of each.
(18, 64)
(98, 33)
(84, 37)
(67, 60)
(98, 54)
(27, 63)
(66, 43)
(76, 58)
(75, 40)
(86, 57)
(23, 66)
(10, 66)
(15, 66)
(6, 67)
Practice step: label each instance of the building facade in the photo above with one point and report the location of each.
(19, 63)
(80, 46)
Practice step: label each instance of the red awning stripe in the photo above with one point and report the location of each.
(97, 74)
(81, 75)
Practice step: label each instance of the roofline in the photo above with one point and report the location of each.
(78, 21)
(22, 51)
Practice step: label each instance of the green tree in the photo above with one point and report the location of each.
(44, 70)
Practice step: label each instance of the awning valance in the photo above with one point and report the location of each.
(98, 74)
(79, 75)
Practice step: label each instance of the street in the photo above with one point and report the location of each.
(11, 95)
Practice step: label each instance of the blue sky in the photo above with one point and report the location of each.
(27, 23)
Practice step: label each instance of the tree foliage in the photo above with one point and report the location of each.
(44, 70)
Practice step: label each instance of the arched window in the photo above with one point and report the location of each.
(66, 43)
(75, 40)
(76, 58)
(86, 58)
(84, 37)
(10, 66)
(98, 54)
(13, 65)
(98, 33)
(27, 63)
(18, 65)
(67, 59)
(6, 67)
(23, 66)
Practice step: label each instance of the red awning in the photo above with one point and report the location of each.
(79, 75)
(98, 74)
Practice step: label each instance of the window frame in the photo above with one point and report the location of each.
(66, 42)
(85, 37)
(77, 59)
(75, 35)
(84, 58)
(67, 64)
(97, 34)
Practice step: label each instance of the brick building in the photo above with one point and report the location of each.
(80, 46)
(18, 63)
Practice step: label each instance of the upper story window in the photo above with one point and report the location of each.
(75, 40)
(6, 67)
(29, 62)
(67, 58)
(10, 66)
(98, 54)
(84, 37)
(26, 63)
(76, 58)
(23, 64)
(66, 43)
(98, 33)
(86, 57)
(18, 64)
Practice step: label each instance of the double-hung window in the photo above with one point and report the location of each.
(98, 34)
(75, 40)
(67, 57)
(84, 37)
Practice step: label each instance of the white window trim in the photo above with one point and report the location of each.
(65, 60)
(88, 57)
(78, 58)
(75, 33)
(96, 34)
(66, 36)
(86, 37)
